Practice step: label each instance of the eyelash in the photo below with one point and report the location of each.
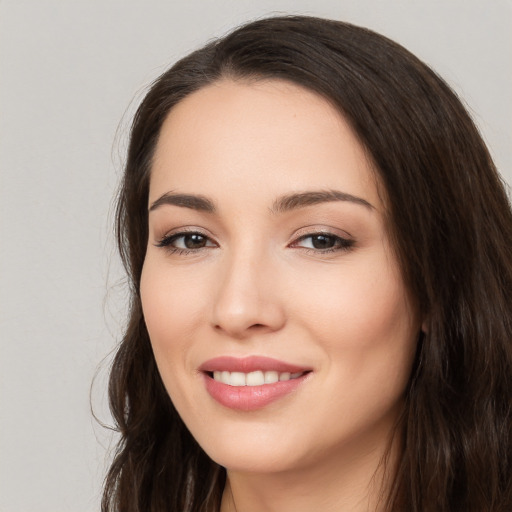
(341, 244)
(167, 241)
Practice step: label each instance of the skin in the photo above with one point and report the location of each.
(259, 285)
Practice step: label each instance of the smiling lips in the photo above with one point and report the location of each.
(250, 383)
(257, 378)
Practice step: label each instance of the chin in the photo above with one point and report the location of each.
(261, 446)
(254, 457)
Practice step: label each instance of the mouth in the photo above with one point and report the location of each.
(251, 383)
(256, 378)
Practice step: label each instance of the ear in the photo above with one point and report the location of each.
(424, 326)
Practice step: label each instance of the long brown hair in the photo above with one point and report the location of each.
(451, 227)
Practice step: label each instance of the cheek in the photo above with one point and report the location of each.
(364, 321)
(367, 331)
(172, 312)
(169, 302)
(367, 297)
(170, 306)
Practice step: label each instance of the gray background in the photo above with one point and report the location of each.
(72, 73)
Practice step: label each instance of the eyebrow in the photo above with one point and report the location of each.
(282, 204)
(194, 202)
(302, 199)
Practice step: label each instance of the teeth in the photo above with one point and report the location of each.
(257, 378)
(271, 377)
(237, 379)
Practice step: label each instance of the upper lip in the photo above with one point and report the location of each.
(249, 364)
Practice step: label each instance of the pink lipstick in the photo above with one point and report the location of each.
(250, 383)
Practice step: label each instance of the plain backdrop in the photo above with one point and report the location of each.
(72, 73)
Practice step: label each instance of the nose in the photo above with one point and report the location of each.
(248, 299)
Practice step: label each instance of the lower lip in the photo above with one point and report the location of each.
(250, 398)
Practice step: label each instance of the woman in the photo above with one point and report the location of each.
(319, 251)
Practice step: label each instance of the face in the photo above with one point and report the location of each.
(278, 317)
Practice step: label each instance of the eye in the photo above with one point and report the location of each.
(186, 242)
(323, 242)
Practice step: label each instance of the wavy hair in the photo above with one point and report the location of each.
(450, 223)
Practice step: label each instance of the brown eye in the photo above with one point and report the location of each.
(186, 241)
(194, 241)
(323, 242)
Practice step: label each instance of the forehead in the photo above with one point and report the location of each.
(261, 136)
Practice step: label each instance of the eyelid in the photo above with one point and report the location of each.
(165, 242)
(185, 230)
(317, 229)
(344, 241)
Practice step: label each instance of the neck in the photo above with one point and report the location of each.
(358, 484)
